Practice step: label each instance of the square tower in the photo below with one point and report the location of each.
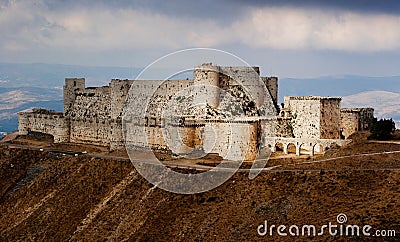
(72, 85)
(314, 117)
(355, 119)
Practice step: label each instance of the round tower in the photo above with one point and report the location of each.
(206, 76)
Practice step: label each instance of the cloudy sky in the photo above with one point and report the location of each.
(284, 38)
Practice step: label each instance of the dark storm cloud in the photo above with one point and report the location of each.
(219, 10)
(53, 30)
(373, 6)
(286, 24)
(231, 8)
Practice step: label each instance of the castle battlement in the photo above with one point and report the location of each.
(93, 115)
(313, 98)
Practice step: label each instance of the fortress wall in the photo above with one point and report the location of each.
(349, 123)
(93, 115)
(314, 117)
(330, 118)
(305, 117)
(138, 97)
(164, 91)
(269, 131)
(284, 127)
(171, 89)
(91, 131)
(243, 101)
(252, 150)
(248, 87)
(248, 78)
(272, 85)
(116, 135)
(132, 129)
(90, 117)
(72, 85)
(365, 115)
(135, 122)
(92, 103)
(176, 138)
(216, 138)
(240, 74)
(190, 138)
(366, 118)
(119, 91)
(180, 140)
(355, 119)
(232, 141)
(207, 76)
(155, 138)
(23, 123)
(55, 124)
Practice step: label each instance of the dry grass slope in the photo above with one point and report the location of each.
(82, 198)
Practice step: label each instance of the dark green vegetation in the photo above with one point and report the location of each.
(383, 129)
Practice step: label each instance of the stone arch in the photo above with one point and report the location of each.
(304, 148)
(291, 148)
(318, 148)
(279, 146)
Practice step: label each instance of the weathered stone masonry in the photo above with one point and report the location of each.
(355, 119)
(44, 121)
(93, 114)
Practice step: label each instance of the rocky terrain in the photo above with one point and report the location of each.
(49, 196)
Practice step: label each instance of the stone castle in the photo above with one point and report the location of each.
(94, 115)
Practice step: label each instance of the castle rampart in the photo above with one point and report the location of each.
(93, 115)
(355, 119)
(44, 121)
(314, 117)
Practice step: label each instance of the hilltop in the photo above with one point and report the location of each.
(49, 196)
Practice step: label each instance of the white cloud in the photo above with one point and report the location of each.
(274, 28)
(290, 28)
(28, 25)
(359, 32)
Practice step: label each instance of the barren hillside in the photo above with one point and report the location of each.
(47, 196)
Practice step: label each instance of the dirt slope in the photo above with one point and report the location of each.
(48, 197)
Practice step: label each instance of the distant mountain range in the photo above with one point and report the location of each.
(26, 86)
(337, 85)
(51, 75)
(17, 99)
(380, 93)
(386, 104)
